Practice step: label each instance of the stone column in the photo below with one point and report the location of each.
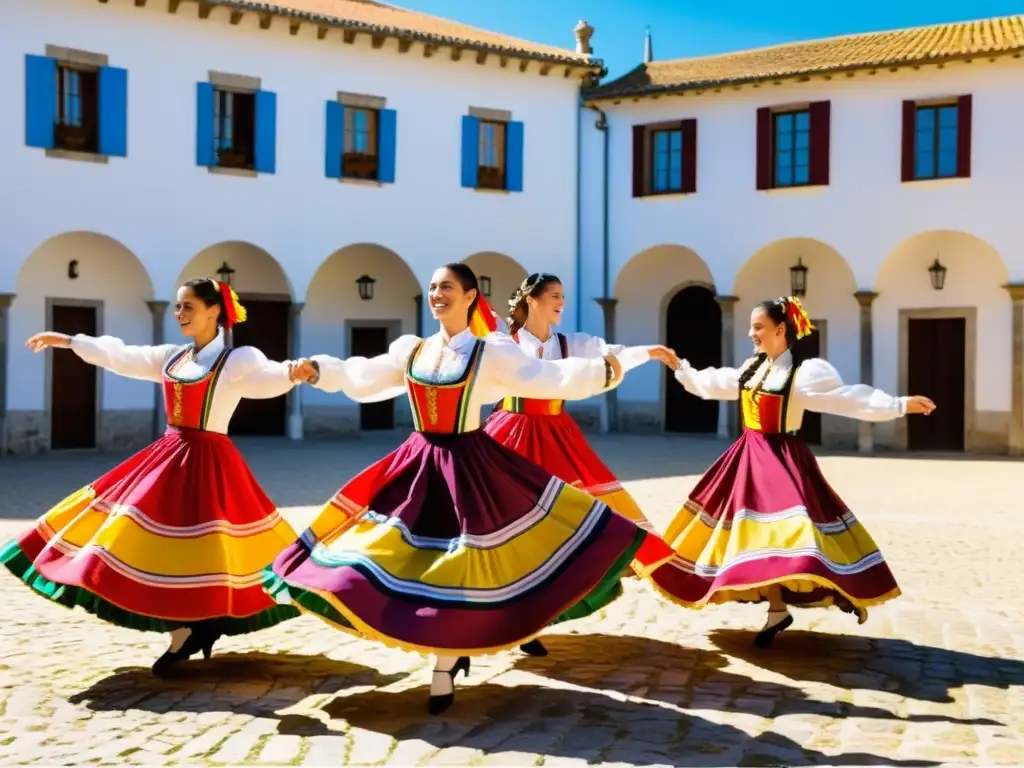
(295, 418)
(1017, 372)
(5, 304)
(159, 311)
(612, 398)
(418, 298)
(865, 429)
(728, 416)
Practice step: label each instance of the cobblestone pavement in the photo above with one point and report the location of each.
(935, 677)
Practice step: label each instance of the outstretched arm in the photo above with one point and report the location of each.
(819, 388)
(255, 377)
(711, 383)
(507, 371)
(134, 362)
(366, 380)
(585, 345)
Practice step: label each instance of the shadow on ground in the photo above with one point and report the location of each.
(922, 672)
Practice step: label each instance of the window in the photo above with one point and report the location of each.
(491, 171)
(75, 127)
(234, 129)
(935, 142)
(361, 148)
(665, 158)
(667, 161)
(792, 151)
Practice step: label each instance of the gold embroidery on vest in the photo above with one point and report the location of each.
(177, 409)
(432, 404)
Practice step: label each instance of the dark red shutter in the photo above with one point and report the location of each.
(909, 126)
(638, 161)
(963, 137)
(689, 128)
(764, 148)
(821, 139)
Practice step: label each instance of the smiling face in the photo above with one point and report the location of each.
(768, 336)
(194, 317)
(549, 304)
(448, 299)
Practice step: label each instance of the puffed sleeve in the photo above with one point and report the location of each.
(252, 375)
(133, 362)
(505, 370)
(819, 388)
(585, 345)
(711, 383)
(367, 380)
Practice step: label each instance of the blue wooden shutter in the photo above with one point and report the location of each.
(470, 151)
(205, 154)
(266, 131)
(334, 126)
(40, 100)
(387, 131)
(113, 112)
(514, 156)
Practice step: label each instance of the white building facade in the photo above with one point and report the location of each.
(149, 143)
(849, 173)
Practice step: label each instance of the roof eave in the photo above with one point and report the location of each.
(594, 95)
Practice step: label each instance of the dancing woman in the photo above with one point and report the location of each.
(175, 538)
(541, 430)
(763, 525)
(453, 544)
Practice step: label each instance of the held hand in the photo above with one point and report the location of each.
(665, 355)
(42, 341)
(920, 404)
(301, 370)
(616, 369)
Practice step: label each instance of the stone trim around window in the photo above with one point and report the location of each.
(240, 83)
(74, 56)
(492, 115)
(361, 100)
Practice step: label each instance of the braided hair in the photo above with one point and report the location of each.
(532, 287)
(777, 312)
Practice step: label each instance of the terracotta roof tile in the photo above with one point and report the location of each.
(370, 16)
(918, 45)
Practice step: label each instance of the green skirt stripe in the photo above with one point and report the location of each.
(18, 563)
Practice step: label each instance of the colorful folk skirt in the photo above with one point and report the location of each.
(453, 544)
(556, 443)
(764, 515)
(177, 534)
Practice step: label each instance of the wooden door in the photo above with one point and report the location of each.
(694, 330)
(810, 430)
(936, 368)
(75, 384)
(370, 342)
(267, 328)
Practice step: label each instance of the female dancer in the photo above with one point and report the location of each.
(453, 544)
(763, 524)
(541, 430)
(175, 538)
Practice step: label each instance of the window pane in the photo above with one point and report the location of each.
(947, 138)
(802, 174)
(784, 160)
(660, 141)
(660, 179)
(677, 141)
(803, 140)
(803, 121)
(784, 176)
(783, 123)
(924, 164)
(802, 157)
(947, 163)
(784, 141)
(925, 118)
(676, 171)
(948, 117)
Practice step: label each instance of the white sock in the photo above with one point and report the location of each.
(178, 637)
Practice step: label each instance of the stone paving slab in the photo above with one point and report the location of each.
(934, 678)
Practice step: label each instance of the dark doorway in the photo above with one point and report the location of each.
(370, 342)
(267, 327)
(810, 429)
(693, 328)
(74, 384)
(936, 368)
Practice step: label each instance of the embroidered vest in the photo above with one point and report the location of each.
(441, 407)
(765, 411)
(187, 401)
(532, 406)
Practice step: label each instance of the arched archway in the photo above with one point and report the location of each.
(666, 294)
(829, 300)
(937, 342)
(263, 288)
(78, 282)
(338, 321)
(504, 273)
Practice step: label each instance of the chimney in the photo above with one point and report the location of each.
(583, 33)
(648, 48)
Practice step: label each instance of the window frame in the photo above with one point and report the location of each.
(651, 155)
(935, 108)
(229, 156)
(492, 177)
(362, 166)
(780, 114)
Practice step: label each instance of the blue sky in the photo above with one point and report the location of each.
(697, 27)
